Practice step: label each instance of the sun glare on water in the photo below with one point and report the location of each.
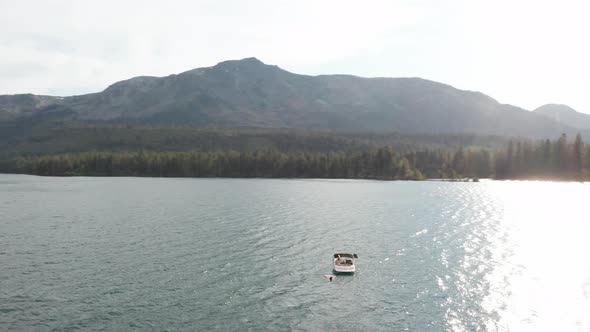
(540, 280)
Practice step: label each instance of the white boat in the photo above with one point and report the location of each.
(345, 263)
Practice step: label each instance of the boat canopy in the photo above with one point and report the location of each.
(345, 255)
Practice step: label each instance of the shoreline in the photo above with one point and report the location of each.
(462, 180)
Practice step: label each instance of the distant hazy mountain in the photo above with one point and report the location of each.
(249, 93)
(12, 106)
(565, 115)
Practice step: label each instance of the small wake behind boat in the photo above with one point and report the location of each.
(345, 263)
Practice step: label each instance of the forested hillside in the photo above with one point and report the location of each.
(552, 160)
(247, 118)
(33, 137)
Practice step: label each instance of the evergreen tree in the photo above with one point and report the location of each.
(579, 157)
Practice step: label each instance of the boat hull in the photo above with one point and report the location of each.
(344, 269)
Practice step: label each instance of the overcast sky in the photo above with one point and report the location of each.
(521, 52)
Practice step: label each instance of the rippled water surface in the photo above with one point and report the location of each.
(249, 254)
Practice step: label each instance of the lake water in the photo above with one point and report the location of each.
(249, 254)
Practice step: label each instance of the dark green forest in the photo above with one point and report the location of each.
(517, 159)
(34, 137)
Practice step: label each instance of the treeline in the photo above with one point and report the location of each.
(519, 159)
(551, 160)
(382, 163)
(376, 164)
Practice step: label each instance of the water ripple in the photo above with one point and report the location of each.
(214, 254)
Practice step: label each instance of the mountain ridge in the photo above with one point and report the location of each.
(564, 114)
(250, 93)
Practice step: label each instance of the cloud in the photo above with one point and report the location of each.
(95, 43)
(526, 52)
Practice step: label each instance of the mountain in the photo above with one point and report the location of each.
(250, 94)
(565, 115)
(12, 106)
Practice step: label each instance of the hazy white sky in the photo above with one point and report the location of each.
(522, 52)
